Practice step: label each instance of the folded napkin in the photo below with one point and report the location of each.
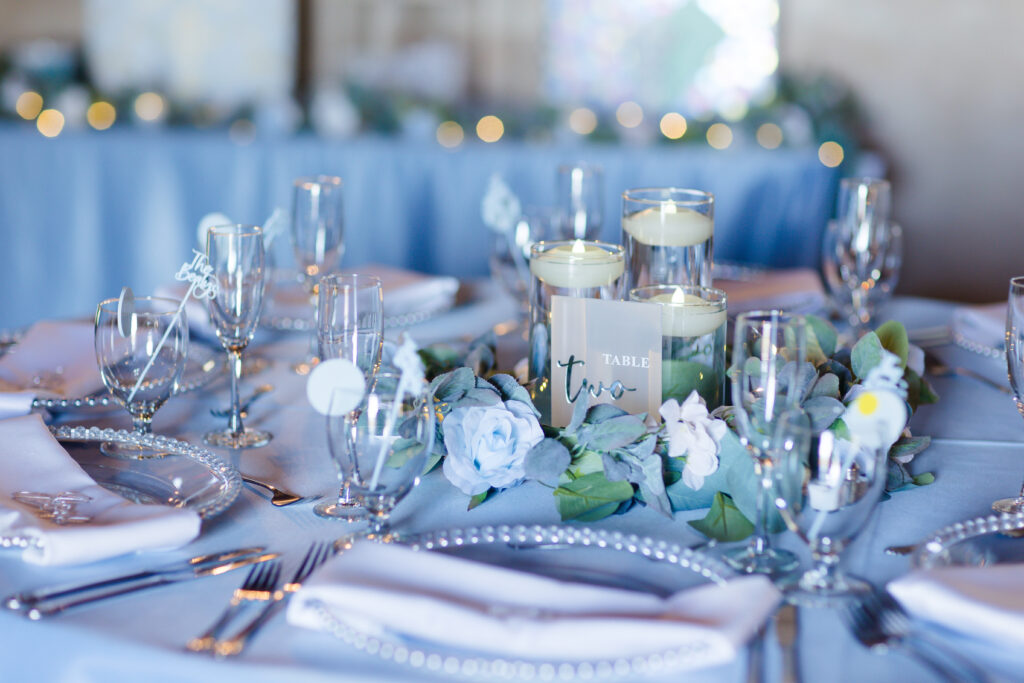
(52, 360)
(31, 461)
(798, 289)
(389, 589)
(977, 603)
(981, 325)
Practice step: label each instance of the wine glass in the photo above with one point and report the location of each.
(862, 249)
(1015, 368)
(350, 326)
(510, 252)
(825, 490)
(235, 253)
(382, 446)
(580, 200)
(141, 369)
(768, 349)
(317, 236)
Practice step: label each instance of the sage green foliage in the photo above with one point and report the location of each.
(606, 460)
(680, 377)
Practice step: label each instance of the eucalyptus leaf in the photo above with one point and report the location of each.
(511, 390)
(724, 522)
(451, 386)
(579, 412)
(616, 432)
(893, 337)
(481, 359)
(588, 493)
(584, 463)
(826, 385)
(643, 448)
(479, 397)
(906, 447)
(618, 468)
(821, 339)
(546, 461)
(681, 377)
(653, 486)
(924, 479)
(479, 498)
(603, 411)
(823, 411)
(866, 354)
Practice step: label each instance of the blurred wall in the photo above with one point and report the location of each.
(27, 19)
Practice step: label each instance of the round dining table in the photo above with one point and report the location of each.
(976, 454)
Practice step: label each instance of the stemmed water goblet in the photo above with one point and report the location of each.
(235, 254)
(768, 350)
(510, 253)
(142, 368)
(1015, 369)
(350, 326)
(861, 250)
(382, 446)
(825, 489)
(317, 236)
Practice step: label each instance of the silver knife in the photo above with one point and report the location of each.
(204, 565)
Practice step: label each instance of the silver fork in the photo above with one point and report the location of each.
(278, 496)
(258, 586)
(315, 556)
(881, 624)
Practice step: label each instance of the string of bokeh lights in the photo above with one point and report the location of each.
(151, 107)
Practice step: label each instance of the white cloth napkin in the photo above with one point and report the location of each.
(978, 603)
(984, 325)
(798, 289)
(391, 589)
(54, 359)
(31, 460)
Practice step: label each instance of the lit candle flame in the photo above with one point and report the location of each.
(668, 207)
(578, 248)
(678, 296)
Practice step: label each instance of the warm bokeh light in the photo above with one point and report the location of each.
(101, 115)
(29, 105)
(673, 125)
(582, 121)
(719, 135)
(769, 135)
(50, 123)
(629, 114)
(490, 128)
(831, 154)
(149, 106)
(450, 134)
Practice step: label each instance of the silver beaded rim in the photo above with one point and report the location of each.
(232, 482)
(933, 549)
(476, 667)
(975, 347)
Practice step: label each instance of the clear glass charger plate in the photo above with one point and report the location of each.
(598, 557)
(987, 540)
(187, 477)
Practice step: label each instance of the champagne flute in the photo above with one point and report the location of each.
(825, 489)
(235, 253)
(381, 447)
(141, 369)
(1015, 369)
(768, 348)
(350, 326)
(317, 236)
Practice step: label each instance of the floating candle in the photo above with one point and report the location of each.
(669, 225)
(688, 315)
(577, 265)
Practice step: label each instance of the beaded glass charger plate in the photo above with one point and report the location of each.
(993, 539)
(186, 477)
(597, 557)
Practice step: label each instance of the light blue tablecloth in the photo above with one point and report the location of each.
(86, 213)
(976, 456)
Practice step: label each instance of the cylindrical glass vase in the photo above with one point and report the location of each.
(668, 235)
(574, 268)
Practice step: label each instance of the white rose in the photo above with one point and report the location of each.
(487, 445)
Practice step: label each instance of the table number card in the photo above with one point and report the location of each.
(604, 352)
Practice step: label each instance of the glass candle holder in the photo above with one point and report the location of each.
(668, 235)
(575, 268)
(693, 321)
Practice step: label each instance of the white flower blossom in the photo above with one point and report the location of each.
(887, 375)
(876, 418)
(695, 434)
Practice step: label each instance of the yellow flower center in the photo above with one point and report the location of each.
(867, 404)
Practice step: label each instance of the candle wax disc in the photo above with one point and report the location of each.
(335, 387)
(126, 320)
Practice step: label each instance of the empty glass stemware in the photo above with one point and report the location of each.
(382, 447)
(317, 236)
(581, 201)
(350, 326)
(862, 249)
(825, 490)
(235, 253)
(768, 348)
(1015, 369)
(143, 368)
